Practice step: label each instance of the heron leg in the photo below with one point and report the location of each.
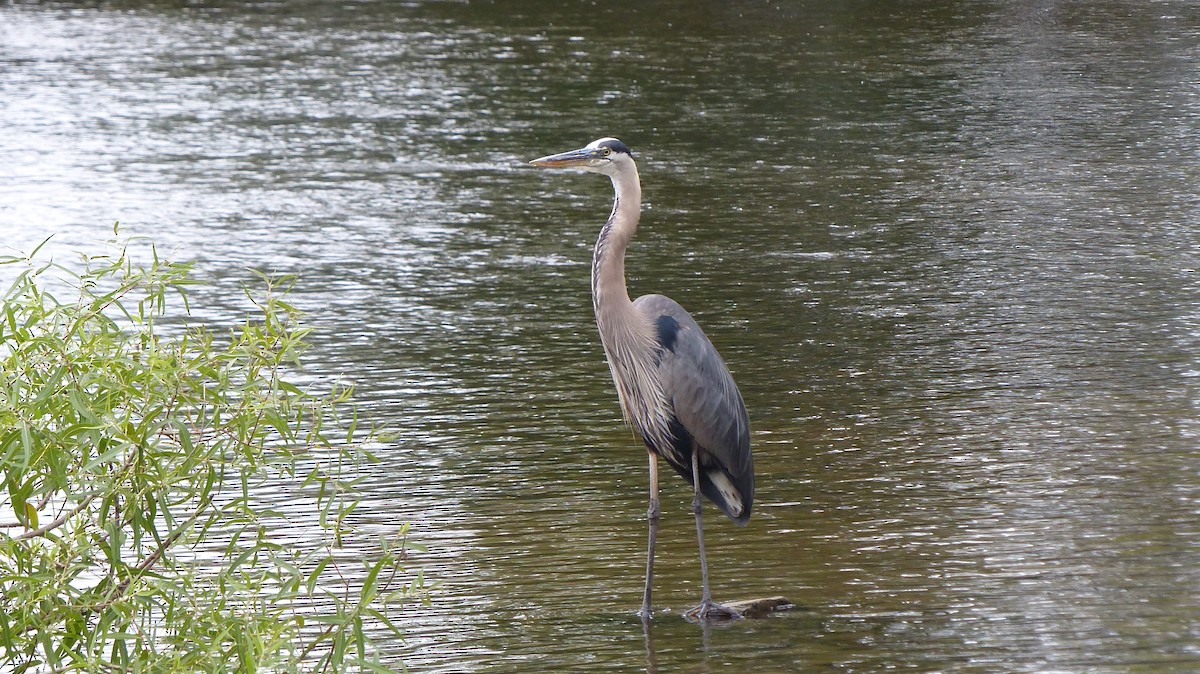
(652, 517)
(697, 504)
(707, 611)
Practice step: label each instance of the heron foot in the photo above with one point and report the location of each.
(711, 612)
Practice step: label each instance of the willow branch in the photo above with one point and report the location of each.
(66, 516)
(56, 522)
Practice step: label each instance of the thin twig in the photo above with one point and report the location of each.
(56, 522)
(63, 518)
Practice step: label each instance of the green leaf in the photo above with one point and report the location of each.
(31, 515)
(369, 591)
(314, 576)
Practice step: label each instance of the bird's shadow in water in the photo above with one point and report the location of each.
(706, 631)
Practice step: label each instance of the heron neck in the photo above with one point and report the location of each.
(609, 294)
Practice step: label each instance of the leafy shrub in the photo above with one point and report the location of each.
(134, 449)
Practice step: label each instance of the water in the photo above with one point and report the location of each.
(948, 249)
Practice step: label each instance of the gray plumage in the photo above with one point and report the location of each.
(708, 407)
(673, 387)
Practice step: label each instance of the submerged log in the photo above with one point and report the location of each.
(761, 607)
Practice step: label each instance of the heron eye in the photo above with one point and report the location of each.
(608, 152)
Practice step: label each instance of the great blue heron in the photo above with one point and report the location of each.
(672, 384)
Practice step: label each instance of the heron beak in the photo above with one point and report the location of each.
(582, 157)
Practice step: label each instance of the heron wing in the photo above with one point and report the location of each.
(706, 404)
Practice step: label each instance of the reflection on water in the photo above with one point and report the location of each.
(948, 252)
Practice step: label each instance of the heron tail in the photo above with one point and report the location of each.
(735, 502)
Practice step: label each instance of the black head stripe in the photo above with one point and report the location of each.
(617, 146)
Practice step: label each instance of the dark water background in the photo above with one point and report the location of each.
(948, 249)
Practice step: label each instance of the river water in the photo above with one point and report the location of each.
(948, 249)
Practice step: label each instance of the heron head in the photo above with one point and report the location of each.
(606, 155)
